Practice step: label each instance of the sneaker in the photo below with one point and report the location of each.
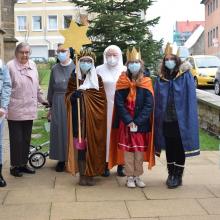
(130, 182)
(139, 182)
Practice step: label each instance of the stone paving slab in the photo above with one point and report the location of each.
(155, 208)
(42, 196)
(215, 189)
(39, 180)
(133, 219)
(25, 212)
(201, 179)
(211, 205)
(198, 217)
(109, 194)
(201, 169)
(89, 210)
(3, 194)
(183, 192)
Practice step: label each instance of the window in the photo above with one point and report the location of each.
(36, 23)
(66, 20)
(208, 39)
(216, 32)
(208, 9)
(216, 2)
(52, 22)
(213, 31)
(213, 5)
(21, 1)
(211, 38)
(21, 23)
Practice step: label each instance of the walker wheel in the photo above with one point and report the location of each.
(37, 160)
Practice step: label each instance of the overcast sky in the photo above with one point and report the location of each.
(171, 11)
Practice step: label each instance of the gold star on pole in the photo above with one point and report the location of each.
(75, 36)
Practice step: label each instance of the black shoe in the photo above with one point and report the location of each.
(2, 181)
(177, 177)
(27, 169)
(60, 167)
(170, 168)
(106, 171)
(15, 171)
(120, 171)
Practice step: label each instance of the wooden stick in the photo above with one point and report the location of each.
(78, 102)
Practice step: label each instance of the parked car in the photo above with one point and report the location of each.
(39, 59)
(204, 68)
(217, 82)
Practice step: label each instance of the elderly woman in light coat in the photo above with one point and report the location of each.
(22, 109)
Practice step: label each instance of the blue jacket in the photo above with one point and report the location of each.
(186, 110)
(143, 109)
(5, 87)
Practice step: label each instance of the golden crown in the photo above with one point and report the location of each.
(178, 52)
(87, 53)
(168, 50)
(134, 54)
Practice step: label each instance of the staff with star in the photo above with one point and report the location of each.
(75, 37)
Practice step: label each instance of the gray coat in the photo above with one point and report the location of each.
(56, 92)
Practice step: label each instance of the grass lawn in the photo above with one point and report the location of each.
(44, 77)
(39, 133)
(208, 142)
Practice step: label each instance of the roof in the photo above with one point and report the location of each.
(194, 37)
(203, 2)
(2, 31)
(188, 26)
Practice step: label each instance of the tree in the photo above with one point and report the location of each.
(120, 23)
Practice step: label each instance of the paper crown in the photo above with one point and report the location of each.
(178, 52)
(134, 54)
(87, 53)
(168, 50)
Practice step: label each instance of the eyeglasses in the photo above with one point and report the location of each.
(24, 52)
(61, 51)
(85, 61)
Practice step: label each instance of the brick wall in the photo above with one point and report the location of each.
(8, 42)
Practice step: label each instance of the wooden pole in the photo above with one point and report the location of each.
(78, 101)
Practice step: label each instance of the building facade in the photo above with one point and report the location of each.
(38, 22)
(7, 40)
(184, 29)
(212, 26)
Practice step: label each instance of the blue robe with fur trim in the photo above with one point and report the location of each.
(186, 109)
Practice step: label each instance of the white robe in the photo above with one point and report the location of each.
(110, 76)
